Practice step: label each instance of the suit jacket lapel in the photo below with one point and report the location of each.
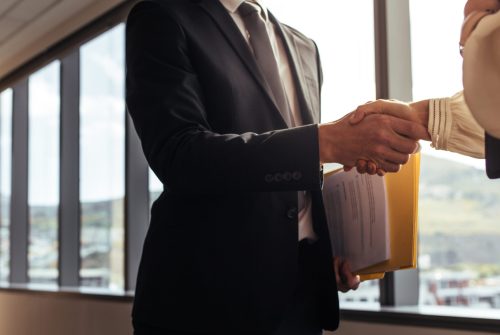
(231, 31)
(297, 71)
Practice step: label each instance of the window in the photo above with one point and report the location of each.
(5, 180)
(459, 206)
(344, 33)
(348, 59)
(43, 175)
(155, 187)
(102, 162)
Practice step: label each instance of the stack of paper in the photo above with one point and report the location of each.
(373, 220)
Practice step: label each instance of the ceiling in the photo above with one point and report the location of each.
(28, 27)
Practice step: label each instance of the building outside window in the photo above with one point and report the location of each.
(5, 180)
(102, 161)
(459, 211)
(43, 174)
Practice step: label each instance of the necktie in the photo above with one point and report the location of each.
(264, 56)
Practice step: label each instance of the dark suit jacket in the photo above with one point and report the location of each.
(220, 255)
(492, 156)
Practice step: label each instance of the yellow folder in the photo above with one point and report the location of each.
(402, 207)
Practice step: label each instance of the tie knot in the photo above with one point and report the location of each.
(248, 8)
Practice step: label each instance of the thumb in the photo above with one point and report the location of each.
(356, 117)
(388, 107)
(371, 107)
(399, 110)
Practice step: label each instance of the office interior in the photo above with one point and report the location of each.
(76, 190)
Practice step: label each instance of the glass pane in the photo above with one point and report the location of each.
(5, 180)
(43, 189)
(155, 187)
(348, 62)
(102, 162)
(459, 207)
(348, 59)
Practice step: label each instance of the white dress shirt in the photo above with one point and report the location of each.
(305, 214)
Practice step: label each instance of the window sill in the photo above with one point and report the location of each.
(69, 292)
(481, 320)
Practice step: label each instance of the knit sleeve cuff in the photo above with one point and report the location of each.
(439, 122)
(453, 128)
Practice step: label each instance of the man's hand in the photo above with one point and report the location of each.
(346, 280)
(384, 139)
(417, 112)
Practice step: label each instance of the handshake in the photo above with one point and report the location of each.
(377, 137)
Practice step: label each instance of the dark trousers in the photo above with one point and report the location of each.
(302, 316)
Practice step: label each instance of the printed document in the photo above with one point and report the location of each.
(357, 215)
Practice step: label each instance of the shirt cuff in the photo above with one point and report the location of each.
(453, 128)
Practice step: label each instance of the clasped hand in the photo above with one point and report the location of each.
(378, 136)
(416, 112)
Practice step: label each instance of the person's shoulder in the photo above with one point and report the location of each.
(298, 36)
(295, 32)
(170, 6)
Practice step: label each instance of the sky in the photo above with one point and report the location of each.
(102, 115)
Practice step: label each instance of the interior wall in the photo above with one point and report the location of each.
(59, 314)
(54, 314)
(357, 328)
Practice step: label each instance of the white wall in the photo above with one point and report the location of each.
(53, 314)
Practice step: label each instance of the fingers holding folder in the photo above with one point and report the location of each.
(346, 280)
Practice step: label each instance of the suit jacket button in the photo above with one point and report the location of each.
(287, 176)
(292, 213)
(297, 176)
(269, 178)
(278, 177)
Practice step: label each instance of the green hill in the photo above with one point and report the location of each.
(459, 214)
(456, 198)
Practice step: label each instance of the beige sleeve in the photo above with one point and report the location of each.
(453, 128)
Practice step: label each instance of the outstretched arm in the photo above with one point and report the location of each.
(382, 138)
(415, 113)
(449, 122)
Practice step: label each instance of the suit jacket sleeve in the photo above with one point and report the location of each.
(166, 103)
(492, 157)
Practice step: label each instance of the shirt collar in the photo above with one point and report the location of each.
(232, 5)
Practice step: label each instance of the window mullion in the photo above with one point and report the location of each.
(394, 81)
(19, 227)
(69, 223)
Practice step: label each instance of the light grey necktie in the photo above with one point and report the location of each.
(264, 56)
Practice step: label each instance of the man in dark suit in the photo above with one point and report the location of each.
(238, 242)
